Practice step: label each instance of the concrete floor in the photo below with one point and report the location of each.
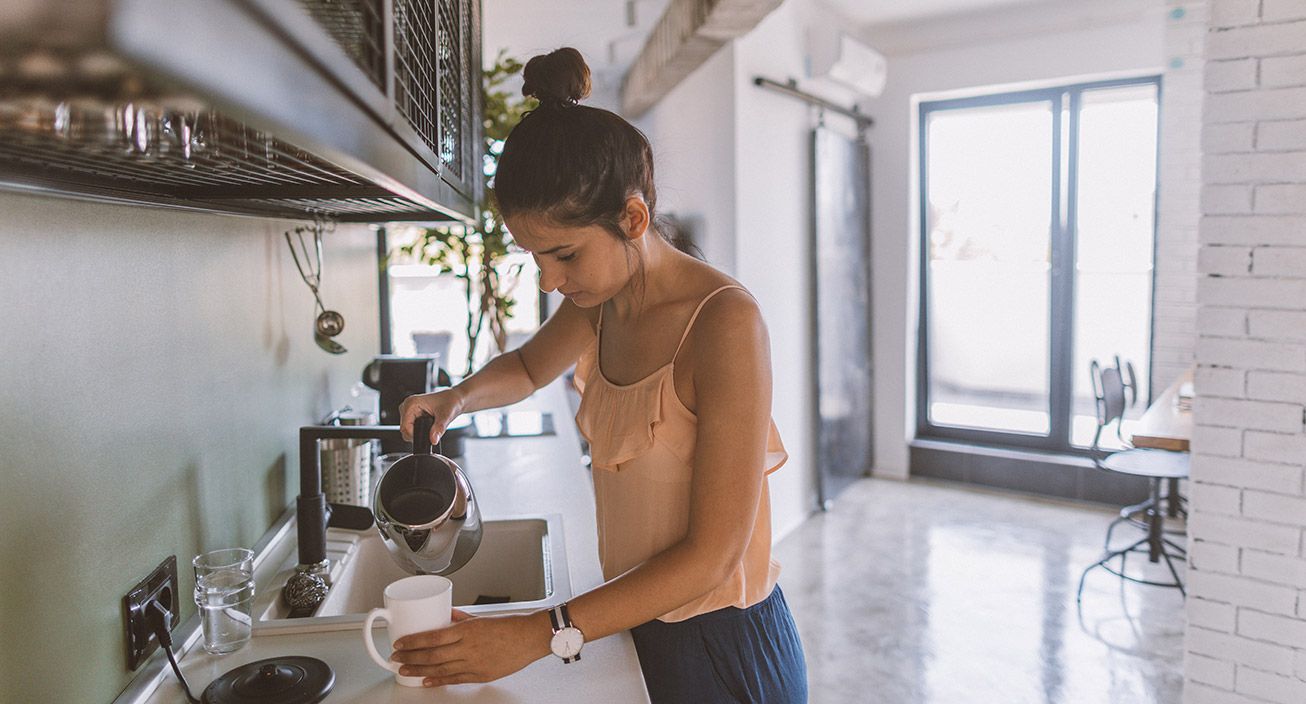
(929, 593)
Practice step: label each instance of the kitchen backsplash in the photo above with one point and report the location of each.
(155, 368)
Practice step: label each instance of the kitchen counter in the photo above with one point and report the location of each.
(511, 477)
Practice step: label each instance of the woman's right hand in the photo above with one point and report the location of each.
(443, 406)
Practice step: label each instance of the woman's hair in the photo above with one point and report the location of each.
(574, 164)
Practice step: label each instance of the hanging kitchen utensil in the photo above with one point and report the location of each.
(329, 323)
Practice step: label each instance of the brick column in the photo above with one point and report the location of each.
(1246, 637)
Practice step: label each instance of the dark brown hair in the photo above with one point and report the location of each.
(573, 164)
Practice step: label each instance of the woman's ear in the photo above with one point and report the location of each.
(635, 219)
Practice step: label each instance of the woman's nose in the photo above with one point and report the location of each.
(549, 279)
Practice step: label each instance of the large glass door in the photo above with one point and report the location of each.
(1037, 227)
(1115, 222)
(987, 219)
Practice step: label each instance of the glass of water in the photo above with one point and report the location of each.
(224, 593)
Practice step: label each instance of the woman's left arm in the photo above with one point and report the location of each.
(731, 365)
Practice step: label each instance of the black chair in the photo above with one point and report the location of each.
(1157, 466)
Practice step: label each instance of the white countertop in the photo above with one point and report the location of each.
(511, 477)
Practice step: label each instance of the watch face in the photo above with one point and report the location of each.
(567, 642)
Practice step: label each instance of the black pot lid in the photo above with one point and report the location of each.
(290, 679)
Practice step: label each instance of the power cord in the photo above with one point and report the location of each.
(160, 619)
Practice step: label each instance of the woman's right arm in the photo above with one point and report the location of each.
(509, 377)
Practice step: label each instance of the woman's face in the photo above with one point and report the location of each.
(586, 264)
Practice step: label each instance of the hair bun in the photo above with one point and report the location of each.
(560, 76)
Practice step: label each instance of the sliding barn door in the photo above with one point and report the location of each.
(842, 299)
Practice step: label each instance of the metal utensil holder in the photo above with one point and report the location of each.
(347, 463)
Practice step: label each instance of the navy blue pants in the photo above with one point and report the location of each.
(750, 656)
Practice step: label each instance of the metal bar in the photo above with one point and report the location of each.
(1061, 287)
(791, 89)
(824, 500)
(923, 428)
(383, 287)
(277, 192)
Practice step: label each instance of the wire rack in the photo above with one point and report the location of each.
(453, 108)
(123, 135)
(416, 68)
(358, 27)
(201, 158)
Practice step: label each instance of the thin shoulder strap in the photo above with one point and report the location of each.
(685, 335)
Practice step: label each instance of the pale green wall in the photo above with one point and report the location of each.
(154, 368)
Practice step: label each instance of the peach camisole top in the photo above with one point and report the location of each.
(641, 440)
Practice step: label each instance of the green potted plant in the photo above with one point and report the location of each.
(474, 253)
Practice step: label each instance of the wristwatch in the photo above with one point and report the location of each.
(567, 639)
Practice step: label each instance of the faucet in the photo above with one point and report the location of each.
(311, 505)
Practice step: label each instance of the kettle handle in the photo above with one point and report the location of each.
(422, 434)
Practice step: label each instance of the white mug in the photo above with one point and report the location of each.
(412, 605)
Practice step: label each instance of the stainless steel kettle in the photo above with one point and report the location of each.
(425, 509)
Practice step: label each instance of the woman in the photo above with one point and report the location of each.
(673, 362)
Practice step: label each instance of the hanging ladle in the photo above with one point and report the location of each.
(329, 323)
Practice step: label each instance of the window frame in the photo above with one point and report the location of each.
(1065, 101)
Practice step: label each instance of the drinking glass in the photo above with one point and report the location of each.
(224, 593)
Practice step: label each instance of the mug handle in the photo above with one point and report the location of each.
(372, 616)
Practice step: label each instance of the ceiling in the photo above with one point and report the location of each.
(611, 33)
(601, 29)
(868, 12)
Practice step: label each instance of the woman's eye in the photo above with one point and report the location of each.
(566, 257)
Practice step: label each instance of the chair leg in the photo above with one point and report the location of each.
(1123, 553)
(1154, 547)
(1174, 573)
(1139, 507)
(1178, 548)
(1172, 499)
(1106, 544)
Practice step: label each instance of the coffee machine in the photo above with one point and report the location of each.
(397, 377)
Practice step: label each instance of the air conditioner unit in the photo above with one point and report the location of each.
(846, 61)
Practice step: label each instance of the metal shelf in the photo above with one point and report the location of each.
(276, 108)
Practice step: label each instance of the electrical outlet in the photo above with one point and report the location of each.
(161, 586)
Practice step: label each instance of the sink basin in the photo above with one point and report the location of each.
(521, 566)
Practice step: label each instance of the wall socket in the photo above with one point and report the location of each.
(161, 586)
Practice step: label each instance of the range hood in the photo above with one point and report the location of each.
(353, 110)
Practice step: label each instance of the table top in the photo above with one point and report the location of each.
(1165, 425)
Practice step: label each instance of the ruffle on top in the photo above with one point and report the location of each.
(617, 421)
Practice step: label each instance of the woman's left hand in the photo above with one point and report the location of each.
(473, 648)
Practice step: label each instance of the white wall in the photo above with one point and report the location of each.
(1046, 47)
(1246, 607)
(155, 366)
(1174, 322)
(692, 130)
(773, 147)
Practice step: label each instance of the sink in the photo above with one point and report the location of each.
(521, 565)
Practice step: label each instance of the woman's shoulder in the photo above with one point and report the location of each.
(704, 281)
(726, 310)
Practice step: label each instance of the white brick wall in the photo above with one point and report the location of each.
(1246, 638)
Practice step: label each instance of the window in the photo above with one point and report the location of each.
(1037, 213)
(429, 310)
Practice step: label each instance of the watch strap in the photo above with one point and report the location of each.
(560, 619)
